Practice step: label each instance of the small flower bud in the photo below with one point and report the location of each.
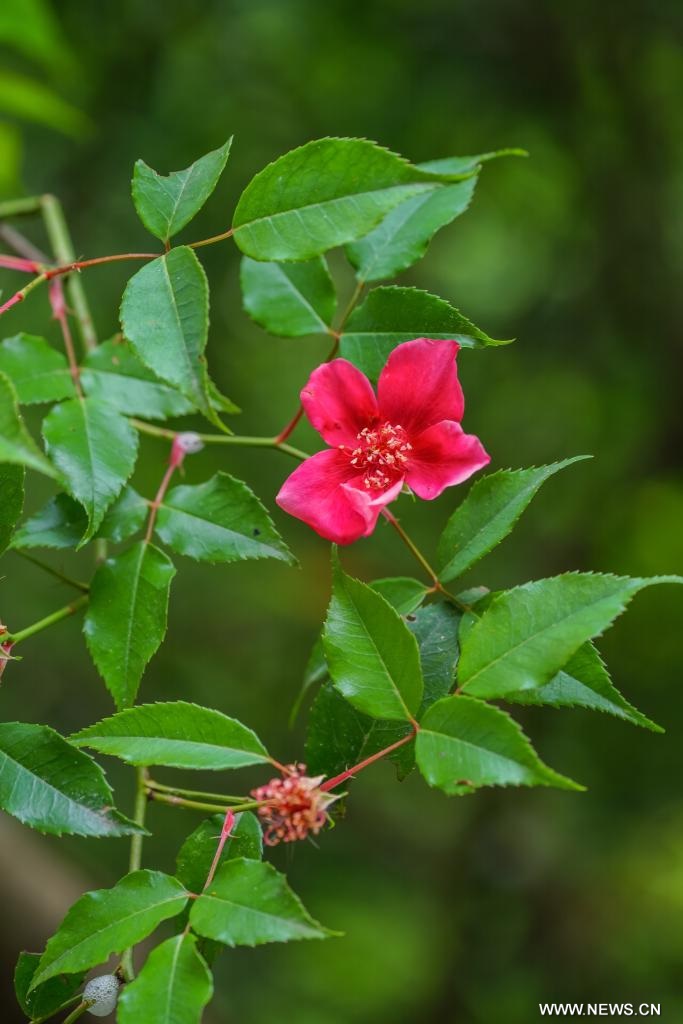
(103, 992)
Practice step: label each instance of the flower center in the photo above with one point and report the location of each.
(381, 455)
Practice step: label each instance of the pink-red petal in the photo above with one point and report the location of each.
(419, 385)
(339, 402)
(327, 493)
(443, 456)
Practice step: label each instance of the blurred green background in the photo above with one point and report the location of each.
(468, 911)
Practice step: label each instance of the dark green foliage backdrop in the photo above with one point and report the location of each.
(470, 910)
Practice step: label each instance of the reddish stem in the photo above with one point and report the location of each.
(225, 835)
(59, 313)
(11, 302)
(175, 460)
(350, 772)
(286, 431)
(19, 263)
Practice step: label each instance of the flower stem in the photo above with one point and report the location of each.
(417, 554)
(200, 805)
(218, 797)
(49, 620)
(350, 772)
(57, 573)
(236, 440)
(289, 428)
(135, 858)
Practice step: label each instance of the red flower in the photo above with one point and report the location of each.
(409, 433)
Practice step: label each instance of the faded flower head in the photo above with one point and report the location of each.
(409, 434)
(296, 806)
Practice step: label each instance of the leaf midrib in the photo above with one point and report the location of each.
(385, 667)
(303, 927)
(533, 636)
(93, 936)
(34, 777)
(178, 510)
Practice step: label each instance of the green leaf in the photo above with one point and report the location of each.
(95, 449)
(339, 736)
(125, 621)
(371, 653)
(166, 203)
(176, 734)
(488, 514)
(165, 316)
(392, 315)
(464, 744)
(401, 239)
(195, 856)
(435, 627)
(11, 501)
(528, 634)
(125, 517)
(48, 784)
(324, 194)
(250, 903)
(467, 164)
(289, 299)
(221, 520)
(403, 593)
(62, 522)
(47, 999)
(173, 987)
(110, 920)
(113, 373)
(584, 682)
(38, 372)
(16, 444)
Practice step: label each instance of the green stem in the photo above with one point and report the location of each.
(52, 571)
(62, 246)
(19, 207)
(79, 1011)
(135, 858)
(212, 241)
(49, 620)
(200, 805)
(236, 440)
(419, 557)
(65, 1006)
(179, 791)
